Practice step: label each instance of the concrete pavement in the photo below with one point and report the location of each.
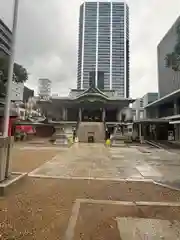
(95, 161)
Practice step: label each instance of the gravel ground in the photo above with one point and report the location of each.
(40, 208)
(28, 160)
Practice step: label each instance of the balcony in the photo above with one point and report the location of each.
(6, 41)
(2, 90)
(6, 51)
(5, 30)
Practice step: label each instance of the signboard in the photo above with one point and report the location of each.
(44, 98)
(170, 136)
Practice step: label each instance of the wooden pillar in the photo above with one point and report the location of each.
(118, 115)
(140, 132)
(80, 114)
(64, 114)
(143, 132)
(141, 137)
(103, 114)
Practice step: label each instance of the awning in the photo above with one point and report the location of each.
(172, 117)
(175, 122)
(152, 120)
(166, 99)
(25, 128)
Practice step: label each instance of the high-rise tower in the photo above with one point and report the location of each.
(104, 45)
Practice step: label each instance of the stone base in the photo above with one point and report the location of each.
(11, 182)
(62, 140)
(118, 143)
(56, 143)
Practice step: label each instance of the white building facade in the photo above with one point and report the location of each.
(139, 105)
(44, 87)
(17, 92)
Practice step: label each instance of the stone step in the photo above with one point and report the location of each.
(91, 129)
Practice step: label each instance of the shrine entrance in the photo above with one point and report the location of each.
(92, 115)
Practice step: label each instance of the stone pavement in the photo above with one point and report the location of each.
(95, 161)
(150, 162)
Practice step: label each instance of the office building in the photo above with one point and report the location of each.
(104, 46)
(140, 103)
(149, 97)
(44, 88)
(5, 39)
(138, 109)
(168, 79)
(167, 106)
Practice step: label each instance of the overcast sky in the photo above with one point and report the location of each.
(47, 40)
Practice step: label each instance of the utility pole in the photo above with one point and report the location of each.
(5, 143)
(10, 71)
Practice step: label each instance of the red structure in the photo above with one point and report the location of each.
(12, 119)
(11, 122)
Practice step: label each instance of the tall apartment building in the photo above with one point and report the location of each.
(5, 39)
(168, 79)
(104, 46)
(44, 87)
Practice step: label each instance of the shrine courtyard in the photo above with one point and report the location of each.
(89, 191)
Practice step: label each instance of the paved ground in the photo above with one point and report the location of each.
(80, 192)
(97, 161)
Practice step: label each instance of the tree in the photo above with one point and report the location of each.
(20, 73)
(173, 59)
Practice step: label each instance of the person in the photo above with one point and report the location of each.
(108, 142)
(107, 134)
(74, 134)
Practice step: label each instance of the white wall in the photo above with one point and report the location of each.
(17, 91)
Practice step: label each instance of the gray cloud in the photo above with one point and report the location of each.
(48, 33)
